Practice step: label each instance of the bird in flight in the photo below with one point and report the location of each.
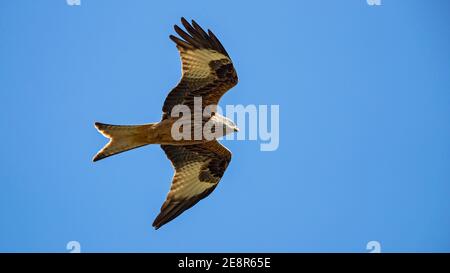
(199, 163)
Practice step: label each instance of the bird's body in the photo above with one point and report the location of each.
(134, 136)
(199, 160)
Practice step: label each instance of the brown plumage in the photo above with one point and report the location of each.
(198, 170)
(207, 72)
(207, 69)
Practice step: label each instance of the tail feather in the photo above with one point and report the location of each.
(122, 138)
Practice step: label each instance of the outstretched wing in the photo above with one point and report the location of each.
(198, 170)
(207, 70)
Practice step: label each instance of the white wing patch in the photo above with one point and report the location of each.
(186, 182)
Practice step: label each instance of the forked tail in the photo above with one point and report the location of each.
(122, 138)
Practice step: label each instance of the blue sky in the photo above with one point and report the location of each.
(364, 95)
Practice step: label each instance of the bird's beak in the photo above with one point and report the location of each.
(236, 129)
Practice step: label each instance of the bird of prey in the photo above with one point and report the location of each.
(207, 73)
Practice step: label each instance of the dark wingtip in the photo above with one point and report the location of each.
(196, 37)
(156, 224)
(173, 38)
(184, 21)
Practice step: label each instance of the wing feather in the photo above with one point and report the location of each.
(207, 70)
(203, 35)
(198, 170)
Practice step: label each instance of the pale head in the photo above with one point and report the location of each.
(225, 124)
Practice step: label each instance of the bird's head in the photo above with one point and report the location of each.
(231, 125)
(226, 124)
